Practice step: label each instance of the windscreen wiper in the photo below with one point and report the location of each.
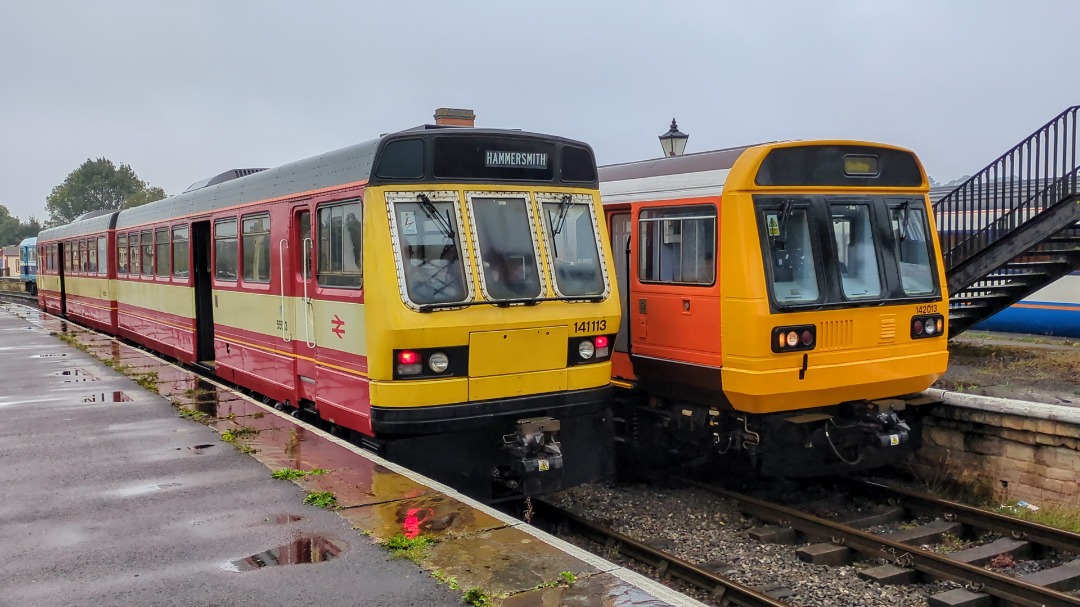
(558, 223)
(444, 223)
(785, 212)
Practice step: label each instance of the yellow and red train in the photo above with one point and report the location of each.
(784, 302)
(443, 293)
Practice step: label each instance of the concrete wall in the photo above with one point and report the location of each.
(1026, 451)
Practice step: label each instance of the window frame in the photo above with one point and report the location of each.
(242, 252)
(316, 231)
(172, 251)
(157, 253)
(478, 256)
(236, 238)
(872, 225)
(893, 204)
(146, 249)
(435, 196)
(715, 241)
(586, 200)
(806, 205)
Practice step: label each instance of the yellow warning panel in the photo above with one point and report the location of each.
(517, 351)
(773, 224)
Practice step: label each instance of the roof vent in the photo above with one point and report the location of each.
(221, 178)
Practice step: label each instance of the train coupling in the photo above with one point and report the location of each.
(535, 457)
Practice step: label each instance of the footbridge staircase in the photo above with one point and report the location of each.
(1012, 228)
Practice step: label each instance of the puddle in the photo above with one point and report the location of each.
(305, 549)
(76, 375)
(284, 519)
(198, 449)
(147, 489)
(108, 397)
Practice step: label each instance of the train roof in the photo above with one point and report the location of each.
(689, 175)
(90, 223)
(334, 168)
(28, 242)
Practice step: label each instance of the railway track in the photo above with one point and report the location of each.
(720, 589)
(18, 297)
(906, 554)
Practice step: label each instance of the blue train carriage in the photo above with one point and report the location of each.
(28, 264)
(1052, 310)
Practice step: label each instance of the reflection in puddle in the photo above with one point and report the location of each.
(306, 549)
(53, 355)
(106, 397)
(76, 375)
(288, 518)
(205, 397)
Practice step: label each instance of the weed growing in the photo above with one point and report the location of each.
(413, 549)
(1058, 515)
(441, 577)
(321, 499)
(288, 474)
(187, 413)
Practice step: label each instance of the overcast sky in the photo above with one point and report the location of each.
(183, 90)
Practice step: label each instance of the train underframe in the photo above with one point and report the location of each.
(505, 448)
(838, 439)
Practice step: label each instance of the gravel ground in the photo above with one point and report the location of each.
(699, 527)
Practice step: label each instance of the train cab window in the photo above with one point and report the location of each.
(161, 252)
(91, 253)
(103, 256)
(428, 236)
(570, 232)
(256, 247)
(180, 251)
(133, 253)
(910, 233)
(147, 260)
(121, 254)
(790, 255)
(225, 249)
(341, 245)
(678, 245)
(856, 252)
(507, 251)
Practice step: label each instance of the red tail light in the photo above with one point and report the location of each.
(601, 341)
(408, 357)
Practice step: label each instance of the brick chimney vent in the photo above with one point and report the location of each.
(448, 116)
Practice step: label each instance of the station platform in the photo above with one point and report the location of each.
(153, 486)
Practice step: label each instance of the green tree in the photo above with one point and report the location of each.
(10, 227)
(96, 185)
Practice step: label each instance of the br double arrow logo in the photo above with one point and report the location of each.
(339, 326)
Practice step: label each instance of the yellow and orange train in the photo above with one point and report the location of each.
(784, 303)
(443, 293)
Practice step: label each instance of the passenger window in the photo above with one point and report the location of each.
(91, 251)
(256, 248)
(180, 251)
(121, 254)
(303, 254)
(161, 250)
(84, 257)
(678, 245)
(225, 249)
(103, 256)
(341, 245)
(133, 253)
(147, 261)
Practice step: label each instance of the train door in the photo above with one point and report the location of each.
(204, 296)
(62, 268)
(619, 228)
(303, 312)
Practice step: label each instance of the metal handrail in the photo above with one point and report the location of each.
(1022, 183)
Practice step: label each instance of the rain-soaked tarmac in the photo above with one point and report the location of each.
(111, 497)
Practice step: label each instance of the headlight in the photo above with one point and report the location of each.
(438, 362)
(586, 349)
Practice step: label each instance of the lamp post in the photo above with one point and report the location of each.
(673, 141)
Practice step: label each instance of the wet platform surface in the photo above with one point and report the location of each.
(116, 495)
